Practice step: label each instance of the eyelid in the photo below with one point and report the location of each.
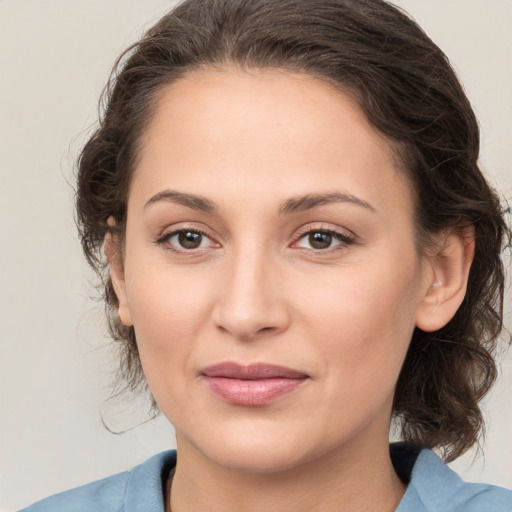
(344, 237)
(169, 233)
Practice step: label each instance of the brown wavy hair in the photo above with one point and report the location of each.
(405, 85)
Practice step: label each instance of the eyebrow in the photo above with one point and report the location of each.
(292, 205)
(299, 204)
(190, 200)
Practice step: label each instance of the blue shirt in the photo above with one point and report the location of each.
(433, 487)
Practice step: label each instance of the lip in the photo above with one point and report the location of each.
(252, 385)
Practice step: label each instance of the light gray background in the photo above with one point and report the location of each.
(54, 357)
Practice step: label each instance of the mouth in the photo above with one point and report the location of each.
(252, 385)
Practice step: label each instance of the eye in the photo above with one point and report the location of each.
(184, 240)
(324, 240)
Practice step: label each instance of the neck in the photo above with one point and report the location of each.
(349, 480)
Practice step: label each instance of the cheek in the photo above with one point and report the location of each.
(168, 311)
(364, 322)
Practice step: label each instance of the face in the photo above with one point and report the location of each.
(270, 269)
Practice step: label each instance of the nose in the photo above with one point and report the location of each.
(251, 303)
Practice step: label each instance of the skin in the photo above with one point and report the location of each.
(259, 289)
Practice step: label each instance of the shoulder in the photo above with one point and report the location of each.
(141, 488)
(434, 486)
(105, 495)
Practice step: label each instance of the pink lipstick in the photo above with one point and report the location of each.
(251, 385)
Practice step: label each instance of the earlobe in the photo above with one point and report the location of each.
(449, 277)
(113, 254)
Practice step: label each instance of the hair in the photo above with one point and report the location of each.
(402, 81)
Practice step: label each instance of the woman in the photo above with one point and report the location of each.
(300, 248)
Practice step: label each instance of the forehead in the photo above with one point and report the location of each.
(228, 128)
(301, 104)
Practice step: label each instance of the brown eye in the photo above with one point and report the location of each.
(186, 240)
(189, 239)
(320, 240)
(324, 240)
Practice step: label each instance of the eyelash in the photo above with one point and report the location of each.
(165, 240)
(344, 239)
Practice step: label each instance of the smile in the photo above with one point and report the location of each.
(252, 385)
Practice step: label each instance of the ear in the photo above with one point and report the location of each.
(446, 287)
(114, 256)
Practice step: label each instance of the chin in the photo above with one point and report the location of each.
(257, 459)
(254, 449)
